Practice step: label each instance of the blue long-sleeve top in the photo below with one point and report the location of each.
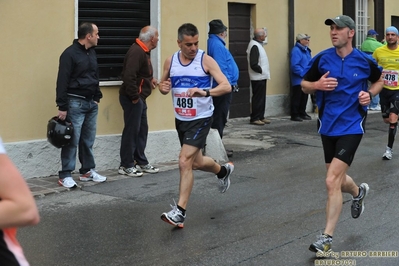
(300, 58)
(218, 51)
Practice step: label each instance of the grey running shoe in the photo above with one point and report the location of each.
(323, 244)
(174, 217)
(148, 168)
(224, 183)
(357, 207)
(131, 171)
(388, 154)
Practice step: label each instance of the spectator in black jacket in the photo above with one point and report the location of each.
(138, 83)
(78, 95)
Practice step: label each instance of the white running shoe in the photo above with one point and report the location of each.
(224, 183)
(92, 176)
(67, 182)
(388, 154)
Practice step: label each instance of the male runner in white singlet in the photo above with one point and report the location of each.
(188, 74)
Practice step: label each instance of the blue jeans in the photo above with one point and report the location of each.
(376, 100)
(83, 115)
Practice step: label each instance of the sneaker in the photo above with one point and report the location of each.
(266, 121)
(174, 217)
(67, 182)
(257, 122)
(224, 183)
(323, 244)
(92, 176)
(296, 118)
(148, 169)
(376, 108)
(305, 117)
(357, 207)
(131, 171)
(388, 154)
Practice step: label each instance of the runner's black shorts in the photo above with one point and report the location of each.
(340, 147)
(193, 132)
(389, 101)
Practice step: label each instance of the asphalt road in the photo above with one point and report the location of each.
(272, 212)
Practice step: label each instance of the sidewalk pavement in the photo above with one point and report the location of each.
(239, 135)
(42, 186)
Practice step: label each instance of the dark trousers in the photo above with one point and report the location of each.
(135, 132)
(258, 99)
(222, 107)
(299, 99)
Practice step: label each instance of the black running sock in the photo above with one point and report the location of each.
(391, 134)
(327, 235)
(183, 211)
(222, 173)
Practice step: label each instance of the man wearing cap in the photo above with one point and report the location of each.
(387, 56)
(339, 75)
(370, 43)
(218, 51)
(259, 73)
(300, 57)
(368, 46)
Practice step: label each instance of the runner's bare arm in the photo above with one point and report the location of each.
(164, 84)
(17, 205)
(376, 87)
(213, 68)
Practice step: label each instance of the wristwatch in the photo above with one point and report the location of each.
(371, 95)
(208, 93)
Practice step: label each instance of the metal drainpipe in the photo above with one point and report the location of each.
(291, 23)
(291, 35)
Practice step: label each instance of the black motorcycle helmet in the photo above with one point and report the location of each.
(59, 132)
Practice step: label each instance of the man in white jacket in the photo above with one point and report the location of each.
(259, 73)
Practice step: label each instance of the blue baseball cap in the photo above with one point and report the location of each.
(372, 32)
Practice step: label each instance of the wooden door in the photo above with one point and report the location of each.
(239, 37)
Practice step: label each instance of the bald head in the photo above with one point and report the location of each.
(149, 36)
(260, 34)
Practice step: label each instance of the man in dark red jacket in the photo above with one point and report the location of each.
(138, 83)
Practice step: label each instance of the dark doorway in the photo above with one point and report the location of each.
(395, 21)
(239, 36)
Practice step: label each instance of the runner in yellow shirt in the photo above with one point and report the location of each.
(387, 56)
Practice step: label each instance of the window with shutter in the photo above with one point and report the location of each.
(119, 23)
